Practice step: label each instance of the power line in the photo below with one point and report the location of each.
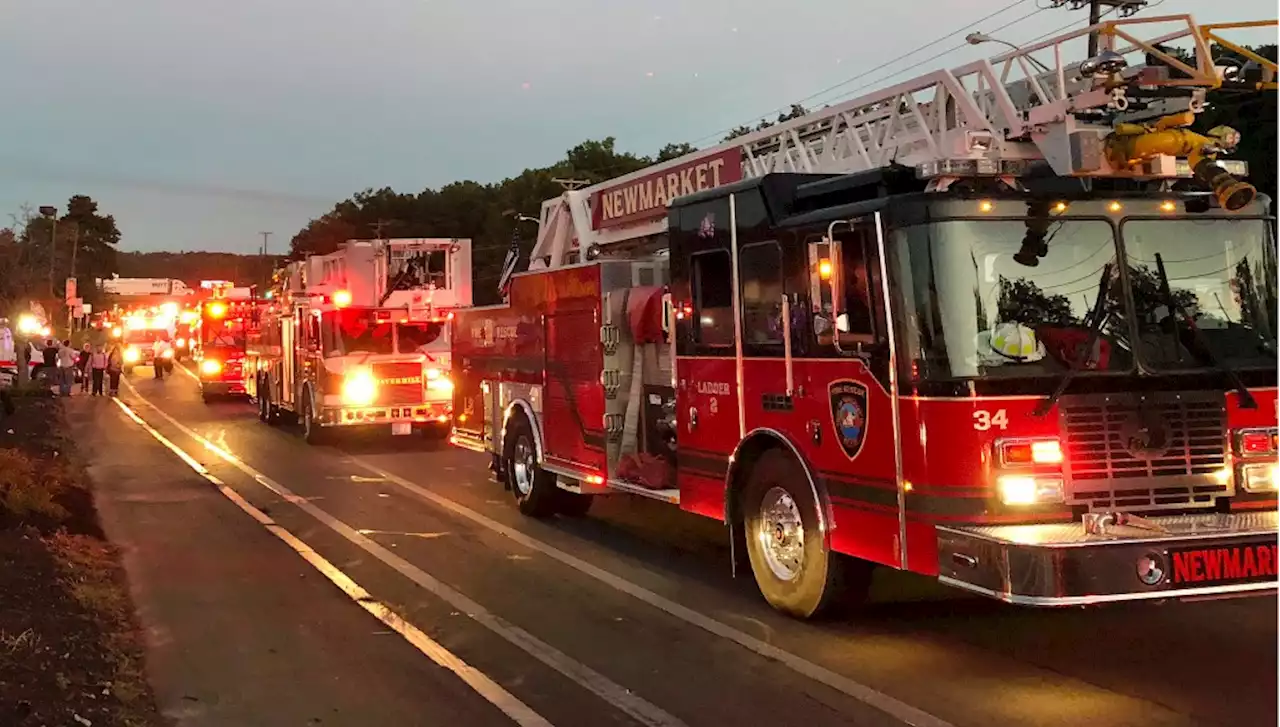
(886, 64)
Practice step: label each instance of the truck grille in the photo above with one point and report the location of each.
(1166, 451)
(398, 394)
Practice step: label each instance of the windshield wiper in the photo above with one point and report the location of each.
(1097, 318)
(1246, 398)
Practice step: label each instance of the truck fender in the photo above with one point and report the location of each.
(753, 444)
(521, 406)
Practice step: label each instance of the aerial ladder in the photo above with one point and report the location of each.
(1125, 112)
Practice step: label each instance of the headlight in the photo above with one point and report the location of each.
(167, 353)
(1030, 489)
(180, 343)
(433, 374)
(210, 366)
(359, 388)
(1261, 477)
(117, 332)
(131, 355)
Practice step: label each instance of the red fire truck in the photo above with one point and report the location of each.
(981, 326)
(223, 330)
(360, 337)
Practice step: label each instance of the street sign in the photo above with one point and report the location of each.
(87, 308)
(77, 307)
(71, 290)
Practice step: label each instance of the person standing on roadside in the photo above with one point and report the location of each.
(98, 369)
(50, 366)
(115, 365)
(158, 358)
(66, 357)
(82, 363)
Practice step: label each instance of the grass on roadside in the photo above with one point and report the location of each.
(70, 649)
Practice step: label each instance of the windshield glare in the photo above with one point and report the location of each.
(972, 310)
(1222, 272)
(351, 331)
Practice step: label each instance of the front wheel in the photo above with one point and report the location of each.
(534, 489)
(796, 572)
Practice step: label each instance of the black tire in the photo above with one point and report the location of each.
(312, 432)
(535, 491)
(816, 582)
(573, 504)
(206, 397)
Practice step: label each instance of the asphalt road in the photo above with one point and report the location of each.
(630, 616)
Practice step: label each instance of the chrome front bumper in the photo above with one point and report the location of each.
(423, 413)
(1175, 557)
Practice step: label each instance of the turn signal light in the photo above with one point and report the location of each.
(1030, 452)
(210, 366)
(341, 298)
(1258, 442)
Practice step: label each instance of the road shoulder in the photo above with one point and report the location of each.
(239, 630)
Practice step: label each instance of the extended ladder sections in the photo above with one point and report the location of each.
(994, 117)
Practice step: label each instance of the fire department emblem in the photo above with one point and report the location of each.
(849, 415)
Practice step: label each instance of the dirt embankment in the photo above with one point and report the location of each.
(70, 650)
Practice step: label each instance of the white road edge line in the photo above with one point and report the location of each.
(623, 699)
(518, 711)
(867, 695)
(889, 705)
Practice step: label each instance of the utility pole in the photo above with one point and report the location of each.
(1099, 8)
(266, 264)
(75, 247)
(571, 184)
(51, 213)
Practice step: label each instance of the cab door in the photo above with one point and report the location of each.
(844, 373)
(707, 410)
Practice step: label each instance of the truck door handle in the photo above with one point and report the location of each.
(693, 418)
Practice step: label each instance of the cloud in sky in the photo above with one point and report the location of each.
(199, 124)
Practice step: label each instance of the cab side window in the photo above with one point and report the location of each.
(712, 281)
(760, 272)
(842, 297)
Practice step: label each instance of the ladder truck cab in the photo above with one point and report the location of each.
(360, 337)
(226, 320)
(1010, 326)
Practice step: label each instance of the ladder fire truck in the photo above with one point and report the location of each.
(1012, 325)
(360, 337)
(227, 318)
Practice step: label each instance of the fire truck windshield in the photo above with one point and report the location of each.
(225, 332)
(420, 337)
(972, 310)
(1222, 273)
(355, 330)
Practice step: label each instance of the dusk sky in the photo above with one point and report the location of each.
(199, 124)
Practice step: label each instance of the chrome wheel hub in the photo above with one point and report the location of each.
(523, 465)
(780, 532)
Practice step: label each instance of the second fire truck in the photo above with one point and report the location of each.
(1018, 335)
(226, 320)
(360, 337)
